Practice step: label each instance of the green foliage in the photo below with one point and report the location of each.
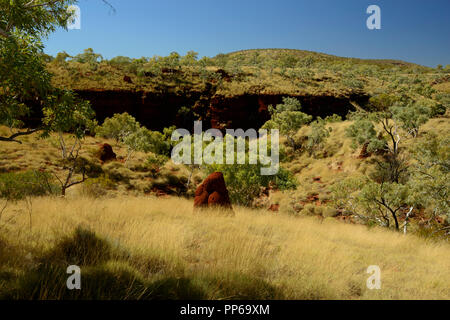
(36, 21)
(287, 118)
(97, 187)
(172, 60)
(61, 58)
(362, 132)
(317, 137)
(369, 201)
(147, 141)
(221, 60)
(120, 61)
(430, 182)
(333, 118)
(89, 57)
(442, 105)
(285, 180)
(245, 182)
(309, 210)
(190, 59)
(138, 140)
(22, 76)
(396, 186)
(156, 160)
(382, 102)
(287, 60)
(307, 61)
(118, 127)
(68, 113)
(352, 82)
(17, 186)
(411, 117)
(23, 73)
(302, 74)
(126, 64)
(125, 129)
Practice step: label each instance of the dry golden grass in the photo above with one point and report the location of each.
(299, 258)
(132, 176)
(444, 87)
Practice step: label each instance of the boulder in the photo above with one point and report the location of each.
(212, 193)
(106, 153)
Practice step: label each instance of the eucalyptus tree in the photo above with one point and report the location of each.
(24, 79)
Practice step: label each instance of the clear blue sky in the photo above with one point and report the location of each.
(412, 30)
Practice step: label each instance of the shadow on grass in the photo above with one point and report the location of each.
(83, 248)
(105, 275)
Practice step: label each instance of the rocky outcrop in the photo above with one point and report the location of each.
(212, 193)
(157, 110)
(153, 110)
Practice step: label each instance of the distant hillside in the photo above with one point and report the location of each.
(270, 71)
(235, 89)
(276, 54)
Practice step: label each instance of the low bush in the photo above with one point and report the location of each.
(18, 185)
(97, 187)
(245, 182)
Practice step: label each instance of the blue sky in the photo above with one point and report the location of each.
(412, 30)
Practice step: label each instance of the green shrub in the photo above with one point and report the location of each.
(125, 129)
(317, 136)
(89, 167)
(308, 210)
(363, 133)
(97, 187)
(411, 117)
(287, 118)
(285, 179)
(333, 118)
(117, 172)
(118, 127)
(16, 186)
(245, 182)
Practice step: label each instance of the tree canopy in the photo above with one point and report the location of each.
(24, 79)
(287, 118)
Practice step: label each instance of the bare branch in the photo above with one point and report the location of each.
(405, 225)
(83, 179)
(18, 134)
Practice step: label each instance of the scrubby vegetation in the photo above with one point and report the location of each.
(344, 191)
(265, 71)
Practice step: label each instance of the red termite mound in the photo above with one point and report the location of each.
(106, 153)
(212, 193)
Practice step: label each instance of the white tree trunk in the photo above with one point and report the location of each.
(405, 226)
